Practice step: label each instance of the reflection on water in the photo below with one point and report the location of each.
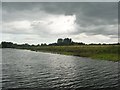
(29, 69)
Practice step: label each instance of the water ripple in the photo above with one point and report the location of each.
(26, 69)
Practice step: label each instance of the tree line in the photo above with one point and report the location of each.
(60, 42)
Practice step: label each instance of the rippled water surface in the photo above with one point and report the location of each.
(29, 69)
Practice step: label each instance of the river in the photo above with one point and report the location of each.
(30, 69)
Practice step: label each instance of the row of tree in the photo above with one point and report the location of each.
(66, 41)
(60, 42)
(12, 45)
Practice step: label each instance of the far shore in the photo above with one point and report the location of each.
(97, 52)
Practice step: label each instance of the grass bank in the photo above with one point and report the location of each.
(100, 52)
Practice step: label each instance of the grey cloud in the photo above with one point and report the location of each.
(99, 15)
(102, 10)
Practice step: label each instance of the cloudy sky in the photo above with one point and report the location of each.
(38, 22)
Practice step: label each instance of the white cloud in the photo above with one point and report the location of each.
(21, 24)
(93, 38)
(56, 24)
(17, 27)
(46, 22)
(18, 24)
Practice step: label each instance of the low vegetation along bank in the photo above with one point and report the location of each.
(100, 52)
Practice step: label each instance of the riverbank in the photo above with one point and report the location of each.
(100, 52)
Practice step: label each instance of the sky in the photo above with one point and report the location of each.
(45, 22)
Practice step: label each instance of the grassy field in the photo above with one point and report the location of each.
(99, 52)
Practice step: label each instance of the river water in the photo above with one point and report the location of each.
(30, 69)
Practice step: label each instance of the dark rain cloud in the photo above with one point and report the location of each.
(98, 15)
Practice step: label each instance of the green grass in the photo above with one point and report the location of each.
(100, 52)
(110, 57)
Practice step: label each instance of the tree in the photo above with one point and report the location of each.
(67, 41)
(60, 41)
(7, 45)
